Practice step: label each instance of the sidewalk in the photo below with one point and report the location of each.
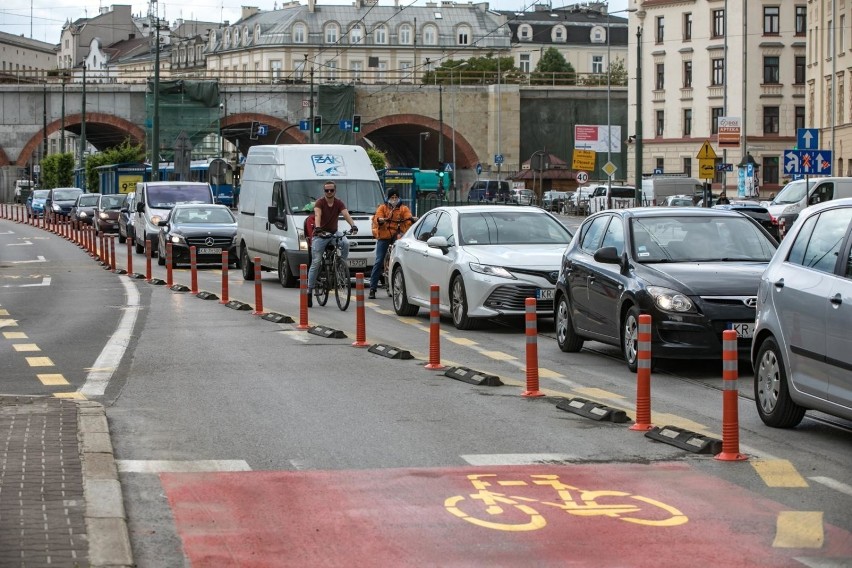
(60, 498)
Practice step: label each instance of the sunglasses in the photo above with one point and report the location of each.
(330, 190)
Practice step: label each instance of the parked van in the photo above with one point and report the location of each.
(622, 196)
(795, 196)
(155, 199)
(655, 189)
(23, 188)
(490, 191)
(280, 185)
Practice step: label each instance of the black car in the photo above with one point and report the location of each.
(60, 200)
(211, 229)
(83, 210)
(757, 212)
(695, 271)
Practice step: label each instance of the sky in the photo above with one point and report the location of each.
(43, 19)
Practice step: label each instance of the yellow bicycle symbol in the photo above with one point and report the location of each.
(518, 515)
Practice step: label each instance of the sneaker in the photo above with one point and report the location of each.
(372, 295)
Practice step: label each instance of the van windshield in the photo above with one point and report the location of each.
(793, 192)
(167, 196)
(360, 196)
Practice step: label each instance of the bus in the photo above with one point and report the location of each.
(215, 171)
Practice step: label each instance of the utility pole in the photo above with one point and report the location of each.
(638, 141)
(83, 131)
(440, 123)
(44, 122)
(311, 138)
(62, 127)
(155, 134)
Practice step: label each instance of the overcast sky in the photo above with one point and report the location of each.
(43, 19)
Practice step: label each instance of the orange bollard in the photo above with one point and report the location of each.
(643, 376)
(104, 256)
(129, 255)
(193, 270)
(434, 329)
(360, 323)
(730, 412)
(224, 299)
(303, 297)
(531, 325)
(169, 270)
(258, 291)
(112, 253)
(147, 260)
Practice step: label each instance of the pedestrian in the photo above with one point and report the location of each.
(723, 200)
(326, 211)
(390, 221)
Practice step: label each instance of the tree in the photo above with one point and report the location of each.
(377, 158)
(125, 153)
(477, 70)
(553, 68)
(57, 170)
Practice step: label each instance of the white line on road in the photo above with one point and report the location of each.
(834, 484)
(113, 351)
(23, 244)
(40, 259)
(515, 459)
(45, 281)
(180, 466)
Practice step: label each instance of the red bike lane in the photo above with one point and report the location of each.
(656, 515)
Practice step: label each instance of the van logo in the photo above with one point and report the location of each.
(328, 165)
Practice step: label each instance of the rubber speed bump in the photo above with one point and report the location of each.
(593, 410)
(473, 377)
(120, 271)
(238, 305)
(685, 439)
(277, 318)
(390, 351)
(207, 296)
(157, 282)
(323, 331)
(178, 288)
(137, 276)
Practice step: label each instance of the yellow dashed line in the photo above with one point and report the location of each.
(499, 355)
(15, 335)
(660, 418)
(52, 379)
(799, 529)
(597, 393)
(3, 312)
(39, 362)
(74, 395)
(21, 347)
(462, 341)
(8, 323)
(778, 473)
(548, 374)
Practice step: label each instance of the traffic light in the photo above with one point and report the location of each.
(441, 175)
(253, 130)
(356, 123)
(317, 124)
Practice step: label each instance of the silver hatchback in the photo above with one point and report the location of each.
(802, 348)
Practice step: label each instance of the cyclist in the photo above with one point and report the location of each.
(326, 211)
(390, 221)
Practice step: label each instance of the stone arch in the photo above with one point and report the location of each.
(4, 159)
(466, 156)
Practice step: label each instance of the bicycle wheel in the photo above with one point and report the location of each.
(323, 283)
(343, 286)
(386, 270)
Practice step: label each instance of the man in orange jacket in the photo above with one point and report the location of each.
(391, 220)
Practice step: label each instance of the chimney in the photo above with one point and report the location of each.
(249, 11)
(312, 6)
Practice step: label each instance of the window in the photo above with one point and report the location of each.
(356, 34)
(660, 162)
(524, 63)
(660, 29)
(687, 122)
(800, 70)
(661, 123)
(771, 70)
(771, 17)
(770, 169)
(275, 69)
(801, 20)
(715, 115)
(614, 236)
(799, 117)
(356, 67)
(771, 119)
(822, 245)
(380, 35)
(299, 33)
(430, 35)
(661, 76)
(687, 26)
(463, 35)
(405, 34)
(687, 74)
(687, 167)
(718, 68)
(298, 68)
(841, 41)
(558, 34)
(525, 32)
(597, 64)
(594, 233)
(331, 33)
(718, 23)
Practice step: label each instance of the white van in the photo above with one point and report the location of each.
(155, 199)
(279, 187)
(655, 189)
(795, 196)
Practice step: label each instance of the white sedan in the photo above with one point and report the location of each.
(486, 259)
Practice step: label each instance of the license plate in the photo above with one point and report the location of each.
(547, 294)
(209, 251)
(357, 262)
(745, 330)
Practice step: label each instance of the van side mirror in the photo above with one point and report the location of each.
(140, 207)
(274, 218)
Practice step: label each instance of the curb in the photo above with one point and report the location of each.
(106, 520)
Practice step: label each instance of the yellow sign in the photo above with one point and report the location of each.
(583, 160)
(127, 183)
(706, 168)
(609, 168)
(706, 152)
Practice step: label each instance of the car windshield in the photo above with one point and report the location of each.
(167, 196)
(41, 193)
(87, 200)
(793, 192)
(360, 196)
(111, 201)
(699, 239)
(203, 215)
(511, 227)
(66, 194)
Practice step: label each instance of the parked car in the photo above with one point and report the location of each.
(695, 271)
(621, 197)
(211, 229)
(489, 191)
(554, 200)
(487, 259)
(107, 213)
(35, 202)
(83, 210)
(802, 350)
(126, 215)
(60, 200)
(757, 212)
(522, 196)
(678, 201)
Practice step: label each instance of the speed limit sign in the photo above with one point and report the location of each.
(582, 177)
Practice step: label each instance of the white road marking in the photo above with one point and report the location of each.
(39, 259)
(515, 459)
(821, 562)
(180, 466)
(834, 484)
(45, 281)
(113, 351)
(23, 244)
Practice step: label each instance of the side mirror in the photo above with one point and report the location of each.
(439, 243)
(140, 207)
(163, 223)
(274, 218)
(607, 255)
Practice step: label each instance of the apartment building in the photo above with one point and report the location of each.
(21, 56)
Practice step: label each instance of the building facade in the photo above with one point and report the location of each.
(21, 56)
(110, 25)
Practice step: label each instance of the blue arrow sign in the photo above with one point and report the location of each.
(478, 169)
(304, 125)
(263, 130)
(498, 158)
(807, 138)
(345, 124)
(807, 162)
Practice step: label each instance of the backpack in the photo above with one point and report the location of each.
(309, 226)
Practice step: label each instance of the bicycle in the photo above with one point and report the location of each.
(334, 274)
(386, 263)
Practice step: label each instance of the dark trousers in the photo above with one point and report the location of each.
(381, 251)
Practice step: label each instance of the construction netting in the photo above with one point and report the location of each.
(188, 110)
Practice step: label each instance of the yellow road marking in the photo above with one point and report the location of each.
(3, 312)
(462, 341)
(14, 335)
(52, 379)
(778, 473)
(498, 355)
(39, 362)
(74, 395)
(20, 347)
(799, 529)
(597, 393)
(8, 323)
(548, 374)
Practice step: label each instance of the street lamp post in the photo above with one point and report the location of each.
(608, 105)
(423, 136)
(455, 92)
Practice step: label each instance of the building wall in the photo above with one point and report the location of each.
(21, 56)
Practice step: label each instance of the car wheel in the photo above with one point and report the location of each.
(246, 266)
(400, 300)
(772, 389)
(458, 306)
(630, 338)
(285, 275)
(566, 338)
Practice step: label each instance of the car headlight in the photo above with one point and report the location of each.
(491, 270)
(176, 238)
(156, 219)
(104, 215)
(56, 207)
(303, 241)
(670, 300)
(83, 215)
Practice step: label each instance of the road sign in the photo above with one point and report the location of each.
(609, 168)
(263, 130)
(729, 131)
(658, 171)
(498, 158)
(706, 152)
(304, 125)
(448, 167)
(306, 104)
(582, 177)
(478, 169)
(583, 160)
(345, 124)
(600, 137)
(706, 168)
(36, 169)
(807, 138)
(725, 167)
(807, 162)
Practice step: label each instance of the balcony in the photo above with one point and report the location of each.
(715, 91)
(771, 90)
